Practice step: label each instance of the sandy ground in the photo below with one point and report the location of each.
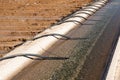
(22, 19)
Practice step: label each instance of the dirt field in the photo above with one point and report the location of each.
(22, 19)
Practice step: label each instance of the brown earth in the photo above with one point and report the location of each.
(22, 19)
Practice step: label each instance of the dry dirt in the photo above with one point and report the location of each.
(22, 19)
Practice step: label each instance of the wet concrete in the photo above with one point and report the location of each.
(87, 58)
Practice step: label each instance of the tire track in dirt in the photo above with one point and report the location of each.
(22, 19)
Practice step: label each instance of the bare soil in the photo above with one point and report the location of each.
(22, 19)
